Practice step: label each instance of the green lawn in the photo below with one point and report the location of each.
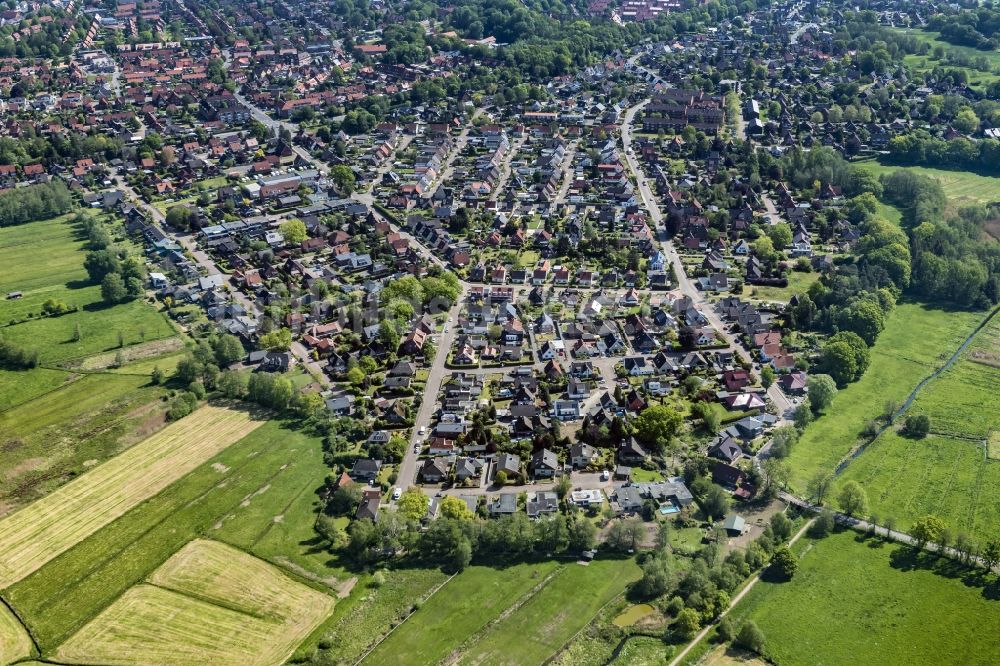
(60, 597)
(928, 62)
(459, 611)
(873, 603)
(543, 624)
(916, 340)
(798, 283)
(963, 188)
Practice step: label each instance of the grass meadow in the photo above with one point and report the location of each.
(15, 644)
(949, 472)
(460, 611)
(78, 422)
(546, 622)
(371, 612)
(61, 276)
(854, 597)
(916, 340)
(521, 614)
(963, 188)
(209, 603)
(928, 62)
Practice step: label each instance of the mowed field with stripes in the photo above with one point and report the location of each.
(119, 566)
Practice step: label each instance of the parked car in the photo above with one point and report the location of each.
(397, 492)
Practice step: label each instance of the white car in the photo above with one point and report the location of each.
(422, 430)
(605, 475)
(397, 493)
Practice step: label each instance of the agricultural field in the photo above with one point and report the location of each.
(15, 644)
(545, 622)
(62, 277)
(459, 611)
(61, 597)
(951, 478)
(209, 603)
(82, 420)
(853, 596)
(916, 341)
(949, 473)
(19, 386)
(522, 614)
(370, 613)
(43, 530)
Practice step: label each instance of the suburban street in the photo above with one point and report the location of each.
(438, 373)
(782, 404)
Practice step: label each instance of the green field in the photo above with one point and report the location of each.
(915, 342)
(951, 478)
(928, 62)
(61, 276)
(370, 613)
(963, 401)
(209, 603)
(872, 603)
(963, 188)
(82, 420)
(18, 387)
(548, 620)
(798, 283)
(15, 644)
(62, 596)
(458, 611)
(948, 473)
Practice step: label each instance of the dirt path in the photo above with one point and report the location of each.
(732, 604)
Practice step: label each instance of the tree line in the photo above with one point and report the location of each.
(919, 148)
(35, 202)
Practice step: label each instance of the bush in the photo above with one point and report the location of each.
(917, 426)
(823, 525)
(727, 629)
(751, 638)
(378, 580)
(15, 357)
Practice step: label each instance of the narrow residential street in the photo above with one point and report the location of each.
(781, 402)
(407, 474)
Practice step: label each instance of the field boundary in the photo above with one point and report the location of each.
(24, 625)
(473, 640)
(582, 629)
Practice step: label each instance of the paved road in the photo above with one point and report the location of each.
(407, 473)
(772, 211)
